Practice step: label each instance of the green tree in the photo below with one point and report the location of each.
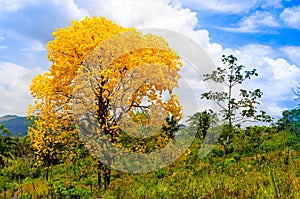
(171, 127)
(290, 121)
(202, 121)
(7, 146)
(236, 110)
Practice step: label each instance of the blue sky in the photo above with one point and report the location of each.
(262, 34)
(268, 25)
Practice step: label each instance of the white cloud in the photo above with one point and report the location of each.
(68, 6)
(35, 47)
(275, 110)
(38, 19)
(271, 68)
(251, 56)
(255, 22)
(283, 71)
(152, 14)
(13, 5)
(292, 52)
(291, 16)
(143, 13)
(69, 9)
(14, 88)
(277, 77)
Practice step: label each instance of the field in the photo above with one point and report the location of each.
(266, 165)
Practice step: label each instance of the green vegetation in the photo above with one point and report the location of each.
(234, 110)
(265, 163)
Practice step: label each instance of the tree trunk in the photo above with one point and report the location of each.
(224, 155)
(226, 151)
(107, 173)
(99, 174)
(47, 173)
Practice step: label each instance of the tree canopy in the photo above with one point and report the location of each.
(113, 72)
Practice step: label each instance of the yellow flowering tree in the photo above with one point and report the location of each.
(102, 68)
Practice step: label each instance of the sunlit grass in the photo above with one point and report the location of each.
(246, 175)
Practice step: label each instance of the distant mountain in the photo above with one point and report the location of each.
(15, 124)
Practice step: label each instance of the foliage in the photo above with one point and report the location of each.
(202, 121)
(52, 133)
(6, 145)
(290, 121)
(11, 147)
(109, 65)
(117, 89)
(236, 110)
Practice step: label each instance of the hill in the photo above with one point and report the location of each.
(15, 124)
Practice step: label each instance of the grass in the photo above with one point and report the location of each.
(261, 175)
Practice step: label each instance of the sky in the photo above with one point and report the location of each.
(262, 34)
